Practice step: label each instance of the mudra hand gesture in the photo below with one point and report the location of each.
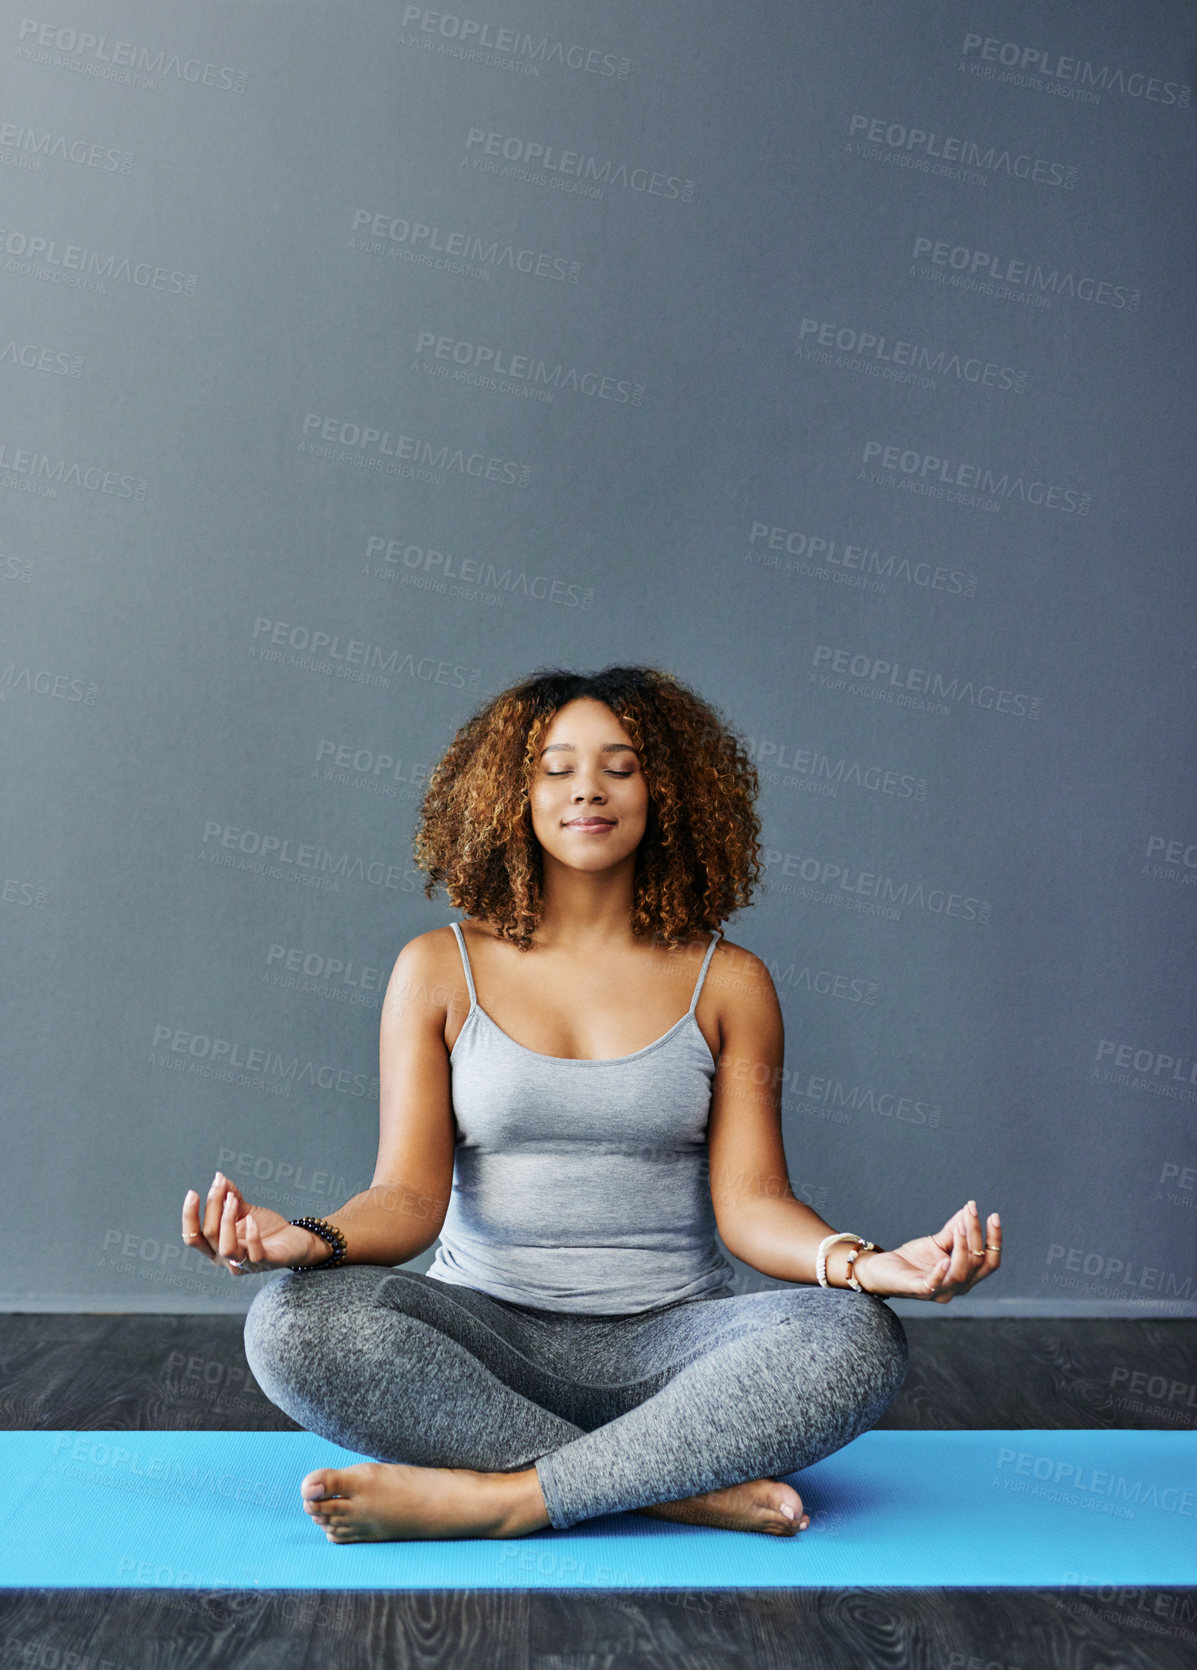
(936, 1266)
(246, 1239)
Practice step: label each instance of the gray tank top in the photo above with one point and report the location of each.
(581, 1185)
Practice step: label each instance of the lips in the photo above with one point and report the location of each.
(590, 823)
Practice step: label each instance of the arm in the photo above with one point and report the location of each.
(759, 1218)
(402, 1211)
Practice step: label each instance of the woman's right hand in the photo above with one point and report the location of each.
(256, 1237)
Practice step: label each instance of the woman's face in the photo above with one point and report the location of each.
(589, 799)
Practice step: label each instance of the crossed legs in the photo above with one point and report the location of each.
(489, 1419)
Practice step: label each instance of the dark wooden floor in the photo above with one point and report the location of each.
(80, 1372)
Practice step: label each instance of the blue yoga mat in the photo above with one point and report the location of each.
(202, 1510)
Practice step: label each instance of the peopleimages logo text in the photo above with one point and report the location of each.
(102, 50)
(1001, 269)
(1079, 72)
(77, 258)
(493, 362)
(550, 159)
(406, 451)
(877, 671)
(41, 473)
(829, 881)
(969, 153)
(896, 350)
(23, 141)
(471, 32)
(1155, 1063)
(419, 237)
(930, 467)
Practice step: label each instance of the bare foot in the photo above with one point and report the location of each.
(754, 1506)
(389, 1501)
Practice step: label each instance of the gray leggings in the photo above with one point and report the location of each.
(615, 1412)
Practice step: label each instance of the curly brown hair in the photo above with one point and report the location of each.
(699, 858)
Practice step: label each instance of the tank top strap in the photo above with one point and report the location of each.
(469, 973)
(465, 962)
(702, 973)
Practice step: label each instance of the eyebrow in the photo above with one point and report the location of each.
(607, 748)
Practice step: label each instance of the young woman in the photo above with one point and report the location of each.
(580, 1082)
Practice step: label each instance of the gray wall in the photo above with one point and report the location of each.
(833, 355)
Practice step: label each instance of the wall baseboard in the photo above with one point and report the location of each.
(1165, 1310)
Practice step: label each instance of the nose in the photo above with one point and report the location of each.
(587, 784)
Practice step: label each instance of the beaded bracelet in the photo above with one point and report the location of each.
(861, 1246)
(821, 1254)
(328, 1232)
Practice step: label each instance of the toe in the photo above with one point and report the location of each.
(322, 1482)
(783, 1497)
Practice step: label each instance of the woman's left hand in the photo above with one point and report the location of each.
(936, 1266)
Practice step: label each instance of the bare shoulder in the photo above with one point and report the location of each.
(427, 977)
(425, 953)
(440, 942)
(743, 986)
(737, 966)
